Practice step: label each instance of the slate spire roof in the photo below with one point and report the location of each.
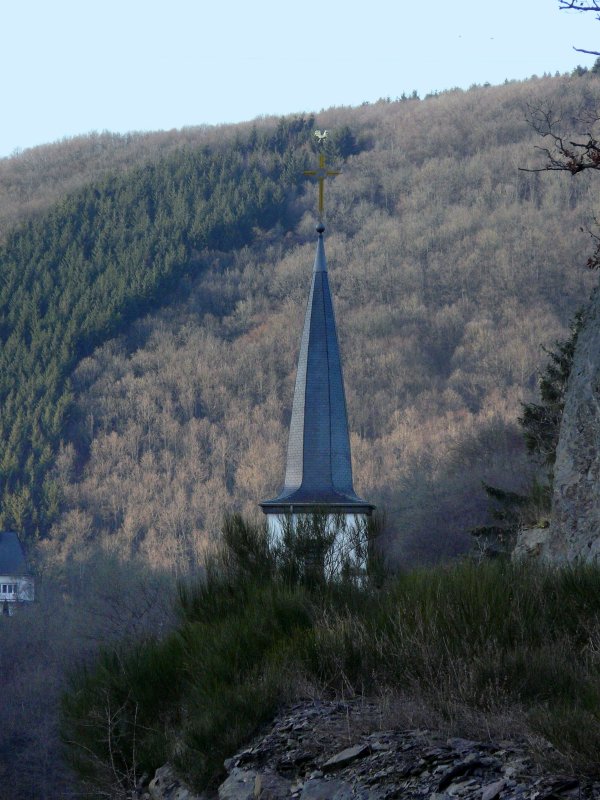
(12, 555)
(319, 466)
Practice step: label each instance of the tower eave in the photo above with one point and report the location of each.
(285, 507)
(302, 501)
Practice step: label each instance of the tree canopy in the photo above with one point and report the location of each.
(101, 257)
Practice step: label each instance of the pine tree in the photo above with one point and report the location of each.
(540, 422)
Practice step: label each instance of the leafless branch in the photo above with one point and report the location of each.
(565, 155)
(578, 5)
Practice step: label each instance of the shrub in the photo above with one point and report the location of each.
(476, 640)
(117, 716)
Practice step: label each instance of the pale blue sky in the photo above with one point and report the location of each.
(74, 66)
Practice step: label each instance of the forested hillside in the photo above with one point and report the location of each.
(33, 180)
(150, 313)
(450, 268)
(98, 260)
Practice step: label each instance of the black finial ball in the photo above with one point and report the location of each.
(320, 227)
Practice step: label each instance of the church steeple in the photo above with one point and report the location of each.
(318, 474)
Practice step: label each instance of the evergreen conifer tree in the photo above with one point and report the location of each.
(540, 423)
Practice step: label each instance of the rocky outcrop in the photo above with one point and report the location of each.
(316, 751)
(167, 786)
(574, 532)
(531, 544)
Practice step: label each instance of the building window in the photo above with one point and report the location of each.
(4, 588)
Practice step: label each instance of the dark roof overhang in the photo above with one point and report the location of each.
(12, 555)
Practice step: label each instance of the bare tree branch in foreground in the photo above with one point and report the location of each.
(579, 5)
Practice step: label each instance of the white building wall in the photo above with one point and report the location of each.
(348, 534)
(15, 588)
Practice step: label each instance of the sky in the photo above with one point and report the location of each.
(76, 66)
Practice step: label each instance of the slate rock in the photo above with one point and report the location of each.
(239, 785)
(492, 790)
(291, 762)
(322, 789)
(345, 757)
(393, 764)
(166, 786)
(458, 771)
(270, 786)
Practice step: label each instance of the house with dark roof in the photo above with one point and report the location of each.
(16, 581)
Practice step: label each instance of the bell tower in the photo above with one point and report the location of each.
(318, 475)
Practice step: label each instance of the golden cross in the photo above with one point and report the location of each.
(321, 173)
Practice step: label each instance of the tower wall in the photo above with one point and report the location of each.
(339, 541)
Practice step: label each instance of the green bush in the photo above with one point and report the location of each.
(118, 715)
(490, 638)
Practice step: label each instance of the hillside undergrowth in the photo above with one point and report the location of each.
(468, 641)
